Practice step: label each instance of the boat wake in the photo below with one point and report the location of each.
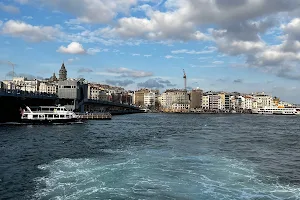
(158, 175)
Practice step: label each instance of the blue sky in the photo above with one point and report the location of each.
(246, 46)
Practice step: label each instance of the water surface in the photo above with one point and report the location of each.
(154, 156)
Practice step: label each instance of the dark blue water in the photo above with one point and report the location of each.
(154, 156)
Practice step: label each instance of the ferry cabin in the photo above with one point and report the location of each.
(278, 111)
(47, 113)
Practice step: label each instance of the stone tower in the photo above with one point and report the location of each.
(63, 73)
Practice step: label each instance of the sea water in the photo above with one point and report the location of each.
(154, 156)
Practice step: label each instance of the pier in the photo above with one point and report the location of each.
(95, 116)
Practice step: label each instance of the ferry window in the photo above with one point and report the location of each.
(25, 115)
(56, 116)
(35, 116)
(50, 116)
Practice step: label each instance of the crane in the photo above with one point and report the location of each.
(184, 78)
(13, 68)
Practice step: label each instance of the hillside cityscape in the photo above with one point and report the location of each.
(171, 100)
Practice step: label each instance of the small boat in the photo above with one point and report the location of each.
(48, 115)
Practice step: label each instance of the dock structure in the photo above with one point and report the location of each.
(95, 116)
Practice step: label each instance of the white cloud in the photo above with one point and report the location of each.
(185, 51)
(27, 17)
(9, 8)
(147, 55)
(72, 48)
(218, 62)
(125, 72)
(70, 60)
(93, 51)
(169, 57)
(29, 32)
(92, 11)
(135, 54)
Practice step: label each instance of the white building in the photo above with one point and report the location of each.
(175, 101)
(47, 87)
(149, 99)
(21, 83)
(9, 85)
(93, 91)
(221, 104)
(205, 102)
(263, 100)
(31, 86)
(248, 103)
(180, 107)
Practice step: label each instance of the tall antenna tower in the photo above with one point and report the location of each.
(184, 78)
(13, 68)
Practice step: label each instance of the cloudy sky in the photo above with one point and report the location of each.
(230, 45)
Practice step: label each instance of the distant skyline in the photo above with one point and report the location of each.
(223, 45)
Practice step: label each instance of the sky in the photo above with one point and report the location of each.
(223, 45)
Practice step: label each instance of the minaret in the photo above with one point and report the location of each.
(63, 73)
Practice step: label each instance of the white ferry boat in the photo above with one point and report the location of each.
(48, 114)
(277, 110)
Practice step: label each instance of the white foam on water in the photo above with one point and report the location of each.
(157, 175)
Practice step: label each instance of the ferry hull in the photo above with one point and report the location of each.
(50, 121)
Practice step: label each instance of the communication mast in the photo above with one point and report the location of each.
(184, 78)
(13, 68)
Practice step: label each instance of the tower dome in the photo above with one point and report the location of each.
(63, 73)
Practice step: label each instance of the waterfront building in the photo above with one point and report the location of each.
(284, 104)
(22, 83)
(139, 96)
(175, 100)
(126, 98)
(227, 102)
(95, 91)
(214, 102)
(71, 93)
(62, 73)
(196, 98)
(205, 102)
(69, 89)
(9, 85)
(31, 85)
(233, 102)
(248, 105)
(263, 100)
(254, 104)
(150, 99)
(103, 96)
(221, 104)
(48, 87)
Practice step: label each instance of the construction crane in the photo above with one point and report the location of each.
(184, 78)
(13, 68)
